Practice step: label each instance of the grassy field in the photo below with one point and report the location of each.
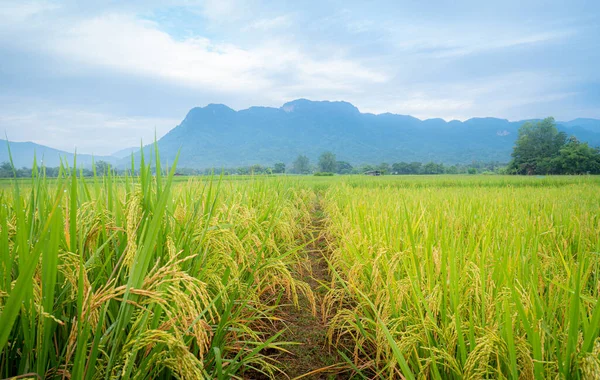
(428, 276)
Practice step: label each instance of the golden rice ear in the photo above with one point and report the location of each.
(69, 264)
(176, 355)
(134, 215)
(590, 362)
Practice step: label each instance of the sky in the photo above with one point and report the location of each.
(99, 76)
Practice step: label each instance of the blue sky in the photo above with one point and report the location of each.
(101, 75)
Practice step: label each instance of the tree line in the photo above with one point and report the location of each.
(327, 163)
(101, 168)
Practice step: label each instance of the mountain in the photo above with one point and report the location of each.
(217, 136)
(592, 125)
(124, 153)
(24, 152)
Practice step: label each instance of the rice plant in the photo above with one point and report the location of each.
(140, 277)
(151, 276)
(435, 279)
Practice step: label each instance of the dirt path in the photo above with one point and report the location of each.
(312, 358)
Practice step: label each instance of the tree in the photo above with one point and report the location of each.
(343, 167)
(257, 169)
(537, 145)
(577, 158)
(6, 170)
(432, 168)
(384, 167)
(279, 167)
(327, 162)
(24, 172)
(52, 172)
(301, 165)
(400, 168)
(365, 168)
(102, 167)
(414, 168)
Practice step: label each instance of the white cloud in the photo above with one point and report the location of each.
(447, 41)
(361, 26)
(138, 47)
(504, 43)
(267, 24)
(488, 96)
(426, 105)
(222, 10)
(87, 131)
(14, 13)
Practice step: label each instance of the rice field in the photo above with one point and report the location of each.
(143, 278)
(156, 276)
(459, 278)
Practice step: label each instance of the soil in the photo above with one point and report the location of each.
(312, 357)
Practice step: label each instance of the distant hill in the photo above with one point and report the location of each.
(123, 153)
(592, 125)
(23, 154)
(218, 136)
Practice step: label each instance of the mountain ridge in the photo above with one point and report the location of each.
(218, 136)
(292, 102)
(23, 153)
